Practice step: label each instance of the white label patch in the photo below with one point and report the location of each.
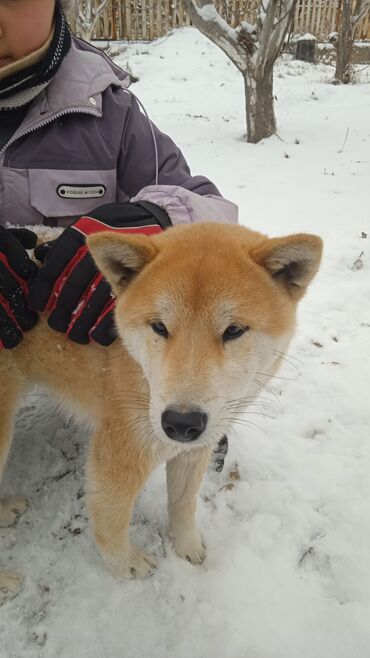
(81, 191)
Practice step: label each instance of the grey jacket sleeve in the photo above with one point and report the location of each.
(186, 198)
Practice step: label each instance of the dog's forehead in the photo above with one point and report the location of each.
(207, 259)
(215, 281)
(200, 272)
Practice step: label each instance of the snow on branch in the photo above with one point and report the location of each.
(206, 18)
(247, 44)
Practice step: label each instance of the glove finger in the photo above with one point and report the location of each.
(89, 310)
(105, 332)
(25, 317)
(10, 334)
(61, 256)
(75, 288)
(16, 258)
(27, 238)
(14, 301)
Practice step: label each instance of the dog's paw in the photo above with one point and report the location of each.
(10, 585)
(188, 545)
(10, 509)
(136, 564)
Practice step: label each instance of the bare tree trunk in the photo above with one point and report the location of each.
(343, 70)
(259, 102)
(253, 49)
(350, 17)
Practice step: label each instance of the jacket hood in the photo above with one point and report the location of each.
(84, 73)
(83, 76)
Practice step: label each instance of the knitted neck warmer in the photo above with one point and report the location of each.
(23, 85)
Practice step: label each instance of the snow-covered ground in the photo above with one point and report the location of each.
(288, 544)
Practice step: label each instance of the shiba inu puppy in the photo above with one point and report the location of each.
(203, 312)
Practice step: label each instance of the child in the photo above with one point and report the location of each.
(72, 137)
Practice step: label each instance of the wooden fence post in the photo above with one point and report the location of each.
(152, 19)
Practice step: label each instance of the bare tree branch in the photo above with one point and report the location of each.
(280, 30)
(362, 7)
(206, 18)
(265, 26)
(98, 11)
(273, 30)
(286, 15)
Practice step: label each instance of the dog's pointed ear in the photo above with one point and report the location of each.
(120, 257)
(292, 261)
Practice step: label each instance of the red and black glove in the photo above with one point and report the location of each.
(17, 271)
(70, 289)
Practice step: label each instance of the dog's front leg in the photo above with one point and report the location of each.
(10, 388)
(117, 471)
(184, 475)
(11, 507)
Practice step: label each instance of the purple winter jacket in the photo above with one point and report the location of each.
(86, 141)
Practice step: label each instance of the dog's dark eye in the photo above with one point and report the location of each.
(159, 328)
(233, 331)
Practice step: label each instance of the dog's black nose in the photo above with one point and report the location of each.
(183, 427)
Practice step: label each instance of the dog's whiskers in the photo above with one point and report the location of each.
(131, 426)
(245, 423)
(253, 403)
(136, 407)
(285, 356)
(251, 399)
(268, 389)
(250, 413)
(266, 374)
(131, 397)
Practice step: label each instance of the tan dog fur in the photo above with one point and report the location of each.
(197, 280)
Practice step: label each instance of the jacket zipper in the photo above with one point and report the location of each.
(95, 113)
